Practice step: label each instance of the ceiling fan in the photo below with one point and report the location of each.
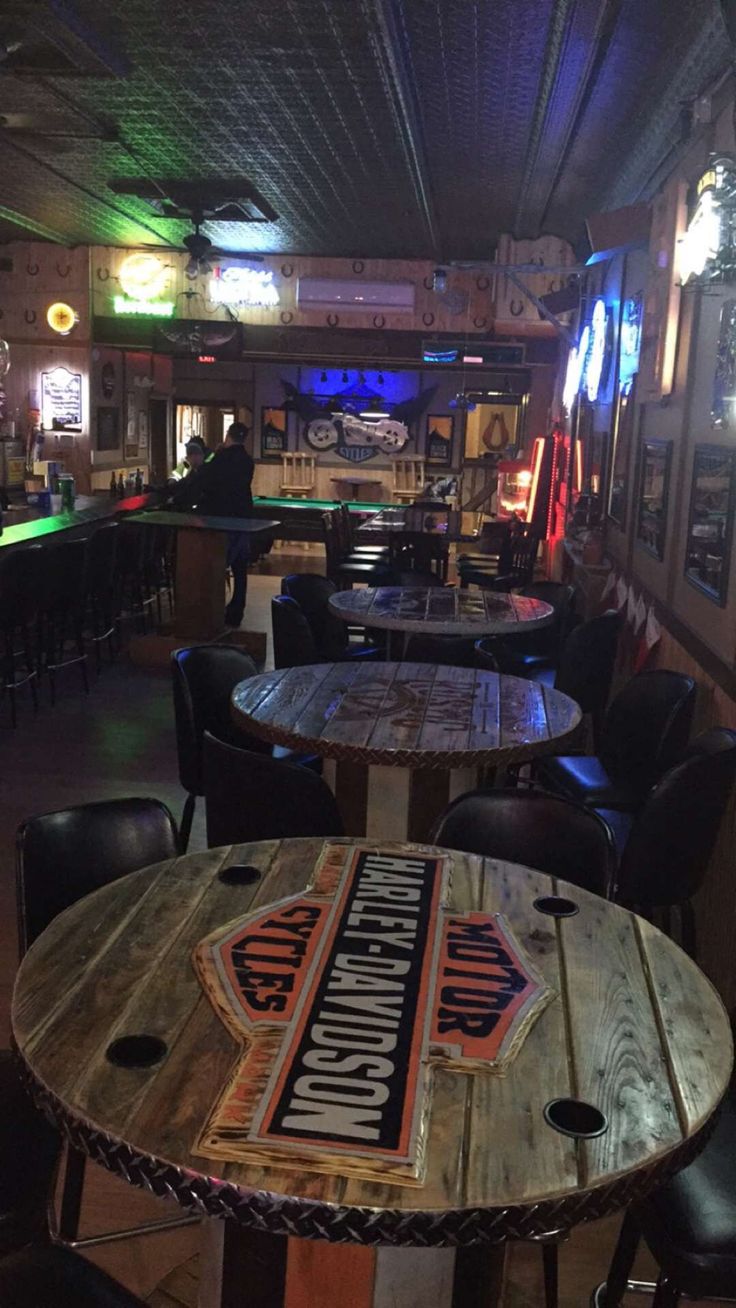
(201, 251)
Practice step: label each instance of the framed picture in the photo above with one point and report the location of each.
(142, 429)
(710, 520)
(622, 445)
(273, 433)
(108, 427)
(131, 426)
(654, 483)
(439, 440)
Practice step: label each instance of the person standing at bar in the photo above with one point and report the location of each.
(221, 487)
(196, 454)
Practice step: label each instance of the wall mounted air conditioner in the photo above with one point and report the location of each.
(355, 295)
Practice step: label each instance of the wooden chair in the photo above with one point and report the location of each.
(408, 478)
(298, 475)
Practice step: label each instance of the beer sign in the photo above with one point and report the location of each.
(347, 996)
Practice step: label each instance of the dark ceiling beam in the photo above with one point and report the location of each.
(392, 50)
(556, 34)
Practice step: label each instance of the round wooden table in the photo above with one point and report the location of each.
(193, 1028)
(402, 739)
(441, 611)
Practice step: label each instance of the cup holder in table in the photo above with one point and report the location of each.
(136, 1051)
(576, 1118)
(556, 906)
(240, 874)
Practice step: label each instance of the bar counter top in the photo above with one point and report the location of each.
(26, 526)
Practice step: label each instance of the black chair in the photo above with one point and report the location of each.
(312, 593)
(515, 567)
(666, 849)
(351, 546)
(485, 654)
(62, 856)
(21, 576)
(645, 731)
(526, 653)
(294, 645)
(46, 1275)
(450, 651)
(101, 611)
(585, 667)
(411, 577)
(689, 1225)
(419, 551)
(538, 830)
(344, 568)
(61, 610)
(253, 797)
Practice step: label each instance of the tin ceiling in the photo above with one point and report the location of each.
(393, 128)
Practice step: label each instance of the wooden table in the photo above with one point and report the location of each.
(440, 611)
(201, 553)
(402, 739)
(354, 484)
(605, 1010)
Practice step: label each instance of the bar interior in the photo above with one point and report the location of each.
(367, 654)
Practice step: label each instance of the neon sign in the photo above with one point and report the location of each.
(574, 374)
(152, 308)
(143, 276)
(708, 244)
(630, 343)
(244, 286)
(597, 348)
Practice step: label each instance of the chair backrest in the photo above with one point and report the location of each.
(293, 642)
(418, 550)
(255, 797)
(546, 832)
(485, 654)
(668, 850)
(312, 593)
(101, 558)
(410, 577)
(21, 581)
(204, 677)
(408, 474)
(62, 856)
(64, 575)
(298, 471)
(587, 660)
(334, 551)
(647, 727)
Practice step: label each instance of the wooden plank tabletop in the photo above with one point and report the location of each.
(202, 522)
(624, 1021)
(419, 715)
(441, 610)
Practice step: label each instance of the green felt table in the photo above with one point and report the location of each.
(301, 519)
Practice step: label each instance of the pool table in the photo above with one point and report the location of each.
(301, 519)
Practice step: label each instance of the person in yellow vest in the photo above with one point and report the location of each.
(197, 455)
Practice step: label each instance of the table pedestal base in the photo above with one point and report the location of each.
(240, 1268)
(388, 803)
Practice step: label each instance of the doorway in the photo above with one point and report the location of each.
(158, 427)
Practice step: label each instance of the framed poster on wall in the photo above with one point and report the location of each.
(654, 485)
(710, 520)
(273, 433)
(108, 427)
(142, 430)
(131, 426)
(439, 440)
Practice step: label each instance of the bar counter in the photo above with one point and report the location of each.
(35, 526)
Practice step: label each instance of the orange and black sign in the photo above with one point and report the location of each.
(346, 995)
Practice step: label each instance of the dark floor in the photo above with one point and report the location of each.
(119, 741)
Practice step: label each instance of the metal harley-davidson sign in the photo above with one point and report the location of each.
(346, 996)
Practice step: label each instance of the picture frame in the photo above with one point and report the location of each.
(710, 521)
(142, 429)
(274, 435)
(655, 459)
(439, 434)
(107, 435)
(131, 426)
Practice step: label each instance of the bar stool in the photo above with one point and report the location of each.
(101, 557)
(61, 615)
(409, 477)
(298, 475)
(20, 585)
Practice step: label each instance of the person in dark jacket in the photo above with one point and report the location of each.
(222, 488)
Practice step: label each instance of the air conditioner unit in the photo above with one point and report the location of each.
(355, 295)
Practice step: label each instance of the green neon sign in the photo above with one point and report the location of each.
(148, 308)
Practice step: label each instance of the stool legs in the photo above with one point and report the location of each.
(71, 1198)
(550, 1263)
(622, 1263)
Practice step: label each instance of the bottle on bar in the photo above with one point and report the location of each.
(138, 482)
(113, 484)
(121, 486)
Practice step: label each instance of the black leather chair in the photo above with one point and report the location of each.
(342, 567)
(547, 832)
(665, 850)
(449, 651)
(485, 654)
(254, 797)
(312, 593)
(689, 1225)
(52, 1276)
(526, 654)
(62, 856)
(515, 566)
(585, 667)
(645, 731)
(294, 645)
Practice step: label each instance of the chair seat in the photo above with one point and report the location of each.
(51, 1276)
(286, 755)
(354, 570)
(584, 778)
(690, 1223)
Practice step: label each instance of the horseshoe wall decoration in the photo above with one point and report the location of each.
(428, 283)
(427, 319)
(286, 317)
(332, 319)
(517, 308)
(103, 274)
(483, 283)
(379, 320)
(29, 315)
(287, 269)
(64, 272)
(480, 322)
(358, 265)
(32, 269)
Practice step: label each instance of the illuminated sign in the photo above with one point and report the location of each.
(342, 999)
(151, 308)
(61, 318)
(597, 349)
(143, 276)
(631, 315)
(574, 374)
(707, 246)
(61, 398)
(206, 358)
(244, 286)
